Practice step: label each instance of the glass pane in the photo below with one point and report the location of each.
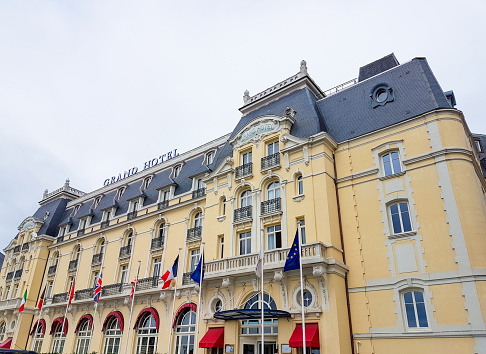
(397, 227)
(387, 165)
(396, 162)
(407, 226)
(421, 314)
(408, 298)
(410, 315)
(419, 296)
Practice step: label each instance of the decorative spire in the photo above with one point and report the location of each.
(45, 194)
(66, 185)
(246, 96)
(303, 67)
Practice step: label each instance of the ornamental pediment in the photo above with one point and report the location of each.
(259, 128)
(30, 223)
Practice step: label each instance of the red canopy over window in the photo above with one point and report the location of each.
(83, 318)
(181, 309)
(6, 343)
(41, 323)
(311, 336)
(150, 310)
(214, 338)
(116, 314)
(58, 321)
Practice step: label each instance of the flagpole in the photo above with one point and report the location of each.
(71, 288)
(173, 308)
(94, 316)
(262, 246)
(302, 291)
(36, 327)
(131, 308)
(199, 302)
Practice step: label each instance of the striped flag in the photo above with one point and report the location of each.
(22, 304)
(170, 274)
(97, 292)
(71, 292)
(41, 299)
(134, 284)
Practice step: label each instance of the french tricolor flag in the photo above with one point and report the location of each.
(170, 274)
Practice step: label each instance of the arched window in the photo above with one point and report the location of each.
(2, 330)
(222, 206)
(21, 263)
(129, 239)
(147, 334)
(273, 190)
(38, 337)
(185, 329)
(245, 199)
(55, 259)
(161, 230)
(83, 336)
(113, 335)
(198, 217)
(101, 247)
(253, 327)
(415, 309)
(58, 339)
(209, 158)
(76, 253)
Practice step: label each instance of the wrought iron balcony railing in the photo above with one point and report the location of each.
(18, 274)
(270, 161)
(105, 224)
(186, 279)
(73, 265)
(97, 259)
(112, 289)
(84, 294)
(244, 170)
(194, 234)
(271, 206)
(157, 243)
(125, 251)
(81, 232)
(132, 215)
(52, 270)
(58, 298)
(163, 205)
(201, 192)
(10, 276)
(148, 283)
(244, 213)
(16, 249)
(25, 247)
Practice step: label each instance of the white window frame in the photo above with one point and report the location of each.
(246, 157)
(402, 230)
(393, 168)
(83, 338)
(244, 243)
(123, 274)
(273, 188)
(246, 198)
(414, 304)
(176, 170)
(272, 235)
(194, 256)
(156, 267)
(113, 336)
(209, 158)
(271, 148)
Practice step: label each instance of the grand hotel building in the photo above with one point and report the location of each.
(382, 174)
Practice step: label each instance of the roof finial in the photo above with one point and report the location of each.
(66, 185)
(246, 96)
(45, 194)
(303, 67)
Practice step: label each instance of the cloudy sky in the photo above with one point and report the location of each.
(91, 88)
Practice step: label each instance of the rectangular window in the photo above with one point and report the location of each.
(7, 290)
(302, 230)
(156, 267)
(245, 243)
(94, 278)
(246, 157)
(221, 246)
(400, 218)
(478, 145)
(193, 260)
(272, 148)
(391, 163)
(49, 289)
(82, 224)
(106, 215)
(274, 237)
(15, 291)
(123, 274)
(134, 206)
(415, 309)
(165, 196)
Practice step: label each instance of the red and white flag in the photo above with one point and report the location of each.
(22, 304)
(41, 299)
(71, 292)
(134, 284)
(170, 274)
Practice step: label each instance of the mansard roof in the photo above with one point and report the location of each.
(56, 210)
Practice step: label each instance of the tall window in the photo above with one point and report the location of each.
(123, 274)
(415, 309)
(198, 219)
(400, 217)
(113, 336)
(185, 329)
(193, 260)
(83, 337)
(302, 230)
(210, 158)
(165, 196)
(176, 171)
(272, 148)
(391, 163)
(245, 199)
(222, 208)
(245, 243)
(300, 185)
(161, 230)
(94, 278)
(49, 289)
(156, 267)
(273, 190)
(58, 339)
(129, 239)
(101, 247)
(147, 333)
(38, 338)
(221, 246)
(274, 237)
(200, 184)
(246, 157)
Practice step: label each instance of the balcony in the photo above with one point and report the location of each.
(148, 283)
(10, 276)
(73, 265)
(113, 289)
(242, 213)
(10, 304)
(132, 215)
(59, 298)
(271, 206)
(18, 274)
(201, 192)
(186, 279)
(270, 161)
(81, 232)
(244, 170)
(52, 270)
(17, 249)
(163, 205)
(84, 294)
(157, 243)
(25, 247)
(97, 259)
(194, 234)
(60, 239)
(105, 224)
(125, 251)
(312, 254)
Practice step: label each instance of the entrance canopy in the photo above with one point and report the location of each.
(214, 338)
(311, 336)
(250, 314)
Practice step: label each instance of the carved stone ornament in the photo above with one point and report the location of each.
(278, 276)
(225, 283)
(289, 112)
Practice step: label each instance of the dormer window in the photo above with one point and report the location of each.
(119, 193)
(82, 224)
(107, 215)
(46, 215)
(75, 210)
(176, 170)
(209, 158)
(134, 205)
(146, 182)
(96, 202)
(478, 145)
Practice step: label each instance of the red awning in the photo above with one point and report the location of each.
(118, 316)
(183, 308)
(311, 336)
(86, 317)
(214, 338)
(41, 323)
(150, 310)
(58, 322)
(6, 343)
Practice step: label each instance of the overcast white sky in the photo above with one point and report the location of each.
(92, 88)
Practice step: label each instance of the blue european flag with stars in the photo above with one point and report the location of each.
(293, 258)
(196, 275)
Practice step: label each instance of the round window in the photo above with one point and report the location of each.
(307, 298)
(217, 305)
(381, 95)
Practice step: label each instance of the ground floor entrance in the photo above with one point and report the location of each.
(250, 346)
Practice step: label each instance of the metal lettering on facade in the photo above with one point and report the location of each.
(148, 164)
(256, 130)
